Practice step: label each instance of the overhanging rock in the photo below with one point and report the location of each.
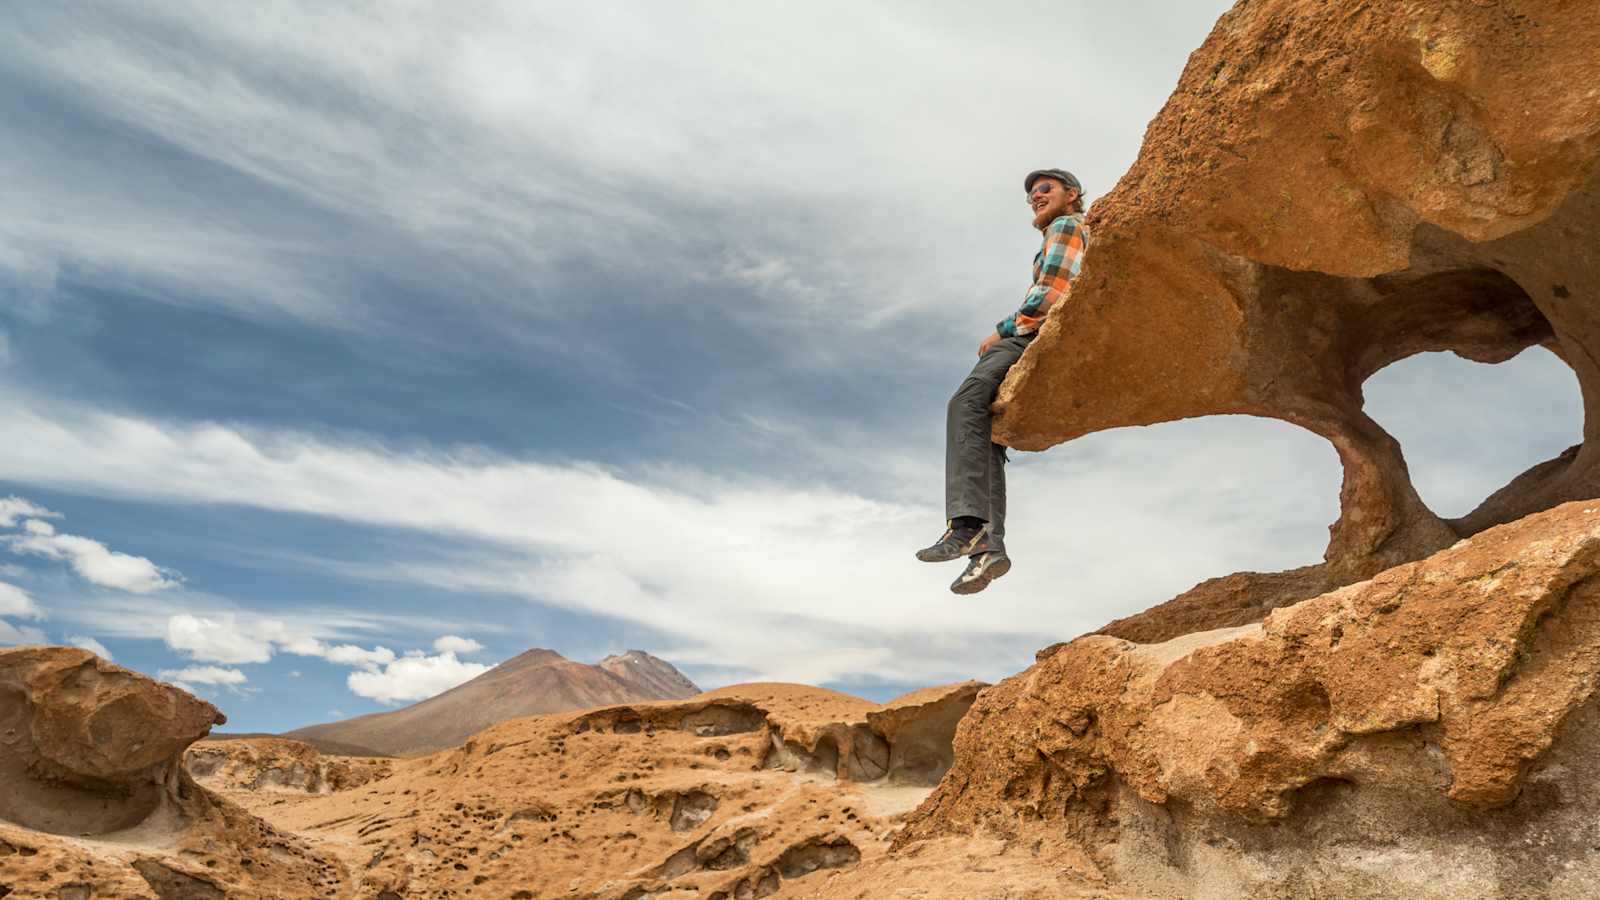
(1332, 188)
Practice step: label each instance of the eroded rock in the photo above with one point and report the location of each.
(1432, 727)
(276, 765)
(1334, 187)
(88, 747)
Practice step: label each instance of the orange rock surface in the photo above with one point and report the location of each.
(1443, 705)
(95, 801)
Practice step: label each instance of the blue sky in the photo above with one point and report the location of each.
(348, 349)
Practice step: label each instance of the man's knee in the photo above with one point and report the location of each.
(976, 392)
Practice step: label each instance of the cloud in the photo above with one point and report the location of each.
(16, 602)
(284, 111)
(453, 644)
(351, 655)
(755, 576)
(214, 675)
(95, 562)
(14, 508)
(11, 634)
(91, 645)
(236, 640)
(92, 560)
(216, 640)
(414, 678)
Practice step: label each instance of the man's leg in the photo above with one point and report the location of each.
(972, 460)
(997, 496)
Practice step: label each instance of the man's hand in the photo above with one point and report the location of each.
(988, 342)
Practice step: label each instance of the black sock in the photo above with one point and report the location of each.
(966, 523)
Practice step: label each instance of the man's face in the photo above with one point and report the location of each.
(1049, 200)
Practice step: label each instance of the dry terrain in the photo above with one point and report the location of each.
(1332, 187)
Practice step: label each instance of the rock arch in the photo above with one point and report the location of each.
(1287, 233)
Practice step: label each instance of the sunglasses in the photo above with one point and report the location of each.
(1042, 188)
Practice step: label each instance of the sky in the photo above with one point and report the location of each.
(348, 349)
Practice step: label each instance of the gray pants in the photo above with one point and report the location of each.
(975, 466)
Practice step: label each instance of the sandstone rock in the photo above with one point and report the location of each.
(95, 801)
(87, 747)
(279, 765)
(1333, 187)
(738, 792)
(1427, 733)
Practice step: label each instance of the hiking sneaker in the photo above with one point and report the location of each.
(981, 569)
(957, 543)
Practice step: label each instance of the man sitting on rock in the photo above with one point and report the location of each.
(974, 466)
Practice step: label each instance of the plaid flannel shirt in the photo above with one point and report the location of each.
(1056, 264)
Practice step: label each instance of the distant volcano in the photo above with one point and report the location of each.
(534, 683)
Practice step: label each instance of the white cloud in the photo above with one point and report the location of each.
(526, 87)
(92, 560)
(214, 675)
(91, 645)
(14, 508)
(16, 602)
(11, 634)
(452, 644)
(759, 577)
(216, 640)
(414, 678)
(236, 639)
(351, 655)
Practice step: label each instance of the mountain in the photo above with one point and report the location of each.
(534, 683)
(650, 674)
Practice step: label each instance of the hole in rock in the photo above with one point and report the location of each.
(1120, 520)
(1468, 428)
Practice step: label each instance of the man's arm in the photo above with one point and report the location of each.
(1064, 243)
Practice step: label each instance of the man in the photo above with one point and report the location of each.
(974, 466)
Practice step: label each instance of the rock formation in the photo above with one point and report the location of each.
(277, 765)
(740, 792)
(1335, 186)
(1428, 733)
(95, 802)
(87, 747)
(533, 683)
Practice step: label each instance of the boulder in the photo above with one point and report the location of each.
(1431, 732)
(1333, 187)
(88, 747)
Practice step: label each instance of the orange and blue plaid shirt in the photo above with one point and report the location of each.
(1056, 264)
